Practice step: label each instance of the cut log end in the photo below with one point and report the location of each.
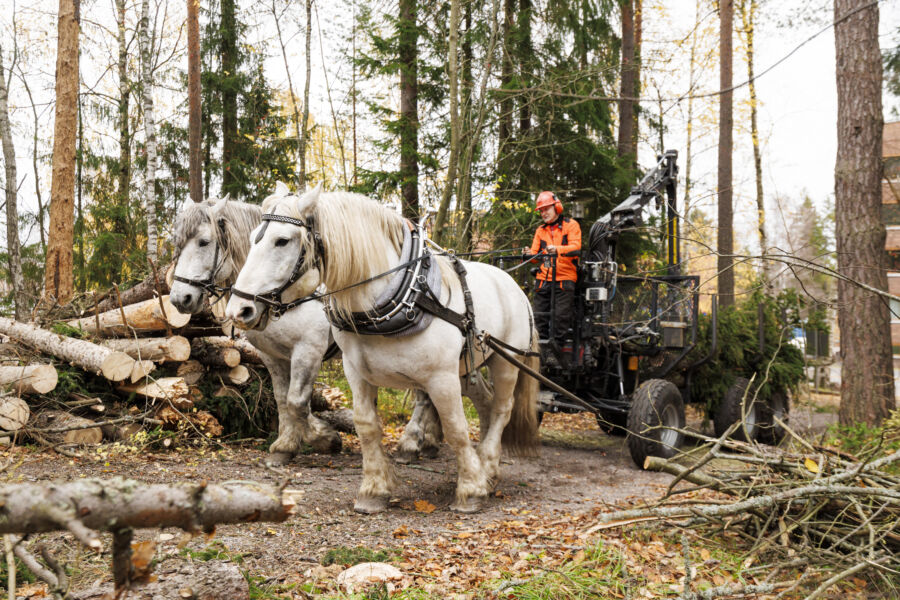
(118, 366)
(14, 413)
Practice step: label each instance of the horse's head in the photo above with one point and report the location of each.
(201, 254)
(282, 265)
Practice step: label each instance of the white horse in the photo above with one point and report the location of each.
(211, 243)
(342, 240)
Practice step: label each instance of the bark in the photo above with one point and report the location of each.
(156, 314)
(526, 52)
(12, 212)
(204, 580)
(58, 276)
(29, 379)
(725, 238)
(160, 349)
(453, 76)
(115, 366)
(120, 227)
(464, 188)
(409, 119)
(504, 127)
(150, 287)
(867, 384)
(627, 82)
(192, 371)
(340, 420)
(748, 20)
(249, 353)
(228, 50)
(149, 132)
(14, 413)
(95, 504)
(53, 419)
(636, 110)
(35, 167)
(215, 353)
(194, 141)
(305, 123)
(172, 389)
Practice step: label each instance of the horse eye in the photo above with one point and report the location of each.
(203, 243)
(281, 242)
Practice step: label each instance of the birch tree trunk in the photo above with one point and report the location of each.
(748, 20)
(121, 227)
(453, 76)
(149, 132)
(867, 383)
(12, 213)
(196, 170)
(303, 125)
(725, 238)
(58, 275)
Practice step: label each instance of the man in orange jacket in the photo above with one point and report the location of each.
(557, 237)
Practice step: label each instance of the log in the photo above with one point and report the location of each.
(215, 352)
(29, 379)
(150, 315)
(141, 369)
(249, 353)
(115, 366)
(143, 291)
(14, 413)
(157, 349)
(56, 419)
(238, 375)
(121, 432)
(191, 371)
(340, 420)
(111, 504)
(173, 389)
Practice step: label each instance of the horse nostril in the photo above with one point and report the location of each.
(246, 313)
(187, 300)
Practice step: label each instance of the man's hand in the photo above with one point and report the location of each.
(551, 249)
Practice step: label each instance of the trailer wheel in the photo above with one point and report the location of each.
(740, 403)
(613, 423)
(656, 411)
(779, 405)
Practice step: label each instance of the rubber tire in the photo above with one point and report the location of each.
(613, 423)
(731, 410)
(779, 404)
(651, 400)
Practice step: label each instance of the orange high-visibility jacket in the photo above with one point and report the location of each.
(565, 234)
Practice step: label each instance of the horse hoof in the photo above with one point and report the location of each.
(279, 459)
(470, 505)
(369, 505)
(430, 452)
(404, 457)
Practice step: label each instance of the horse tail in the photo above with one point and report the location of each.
(520, 437)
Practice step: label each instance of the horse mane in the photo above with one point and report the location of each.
(240, 219)
(357, 234)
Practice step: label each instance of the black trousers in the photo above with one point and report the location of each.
(563, 293)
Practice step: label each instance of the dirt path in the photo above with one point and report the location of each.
(578, 471)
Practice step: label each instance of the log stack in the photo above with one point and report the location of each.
(151, 354)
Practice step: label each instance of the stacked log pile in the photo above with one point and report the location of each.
(151, 354)
(812, 509)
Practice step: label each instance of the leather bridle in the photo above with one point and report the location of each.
(208, 284)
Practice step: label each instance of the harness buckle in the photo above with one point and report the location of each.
(410, 314)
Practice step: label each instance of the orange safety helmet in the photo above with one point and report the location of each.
(545, 199)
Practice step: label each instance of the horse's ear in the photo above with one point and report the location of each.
(281, 189)
(219, 204)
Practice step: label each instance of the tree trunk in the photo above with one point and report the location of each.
(229, 67)
(304, 125)
(453, 76)
(150, 315)
(725, 239)
(627, 79)
(748, 21)
(35, 167)
(409, 117)
(12, 213)
(149, 132)
(690, 119)
(58, 276)
(120, 219)
(526, 54)
(464, 188)
(636, 107)
(249, 353)
(300, 176)
(867, 384)
(194, 138)
(170, 349)
(29, 379)
(115, 366)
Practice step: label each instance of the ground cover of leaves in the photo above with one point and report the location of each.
(532, 531)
